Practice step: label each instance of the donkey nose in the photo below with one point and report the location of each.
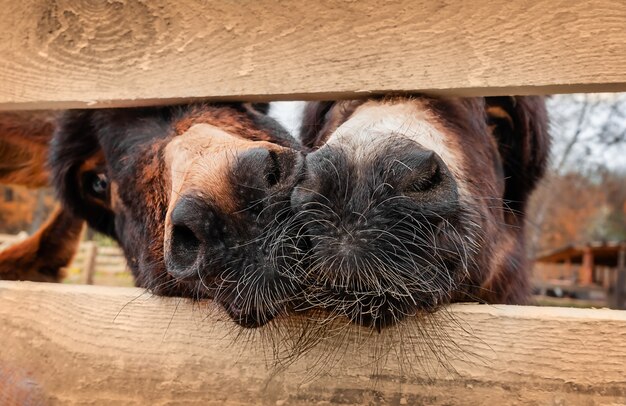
(414, 172)
(264, 169)
(421, 171)
(200, 232)
(426, 179)
(195, 231)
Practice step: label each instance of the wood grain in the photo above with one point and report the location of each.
(69, 344)
(76, 53)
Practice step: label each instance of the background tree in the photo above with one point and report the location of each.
(583, 195)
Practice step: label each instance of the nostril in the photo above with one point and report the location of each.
(272, 169)
(193, 231)
(426, 173)
(184, 251)
(185, 240)
(426, 181)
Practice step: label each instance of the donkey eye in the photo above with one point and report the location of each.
(97, 184)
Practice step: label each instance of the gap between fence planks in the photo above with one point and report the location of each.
(85, 344)
(76, 53)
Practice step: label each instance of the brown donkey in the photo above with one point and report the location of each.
(196, 195)
(24, 143)
(408, 203)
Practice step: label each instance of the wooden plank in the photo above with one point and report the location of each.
(89, 268)
(6, 240)
(93, 345)
(619, 291)
(112, 251)
(101, 260)
(12, 238)
(111, 269)
(107, 253)
(102, 249)
(90, 257)
(77, 53)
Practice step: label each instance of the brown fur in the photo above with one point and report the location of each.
(24, 142)
(24, 139)
(43, 256)
(200, 157)
(496, 148)
(195, 193)
(225, 119)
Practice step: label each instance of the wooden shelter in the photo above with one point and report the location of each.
(610, 255)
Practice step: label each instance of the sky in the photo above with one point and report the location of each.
(288, 114)
(597, 122)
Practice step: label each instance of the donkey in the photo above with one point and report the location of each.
(403, 205)
(194, 194)
(408, 203)
(24, 140)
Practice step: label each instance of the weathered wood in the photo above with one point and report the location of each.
(90, 258)
(94, 345)
(89, 265)
(110, 251)
(70, 53)
(101, 260)
(8, 239)
(619, 293)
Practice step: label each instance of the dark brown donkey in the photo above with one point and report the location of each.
(407, 203)
(196, 196)
(24, 140)
(411, 202)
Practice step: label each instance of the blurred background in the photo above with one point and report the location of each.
(576, 224)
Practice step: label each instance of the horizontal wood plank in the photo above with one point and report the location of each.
(77, 53)
(72, 344)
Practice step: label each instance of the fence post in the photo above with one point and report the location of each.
(585, 276)
(91, 252)
(619, 290)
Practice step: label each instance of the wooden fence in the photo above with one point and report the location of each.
(93, 264)
(99, 263)
(94, 345)
(65, 53)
